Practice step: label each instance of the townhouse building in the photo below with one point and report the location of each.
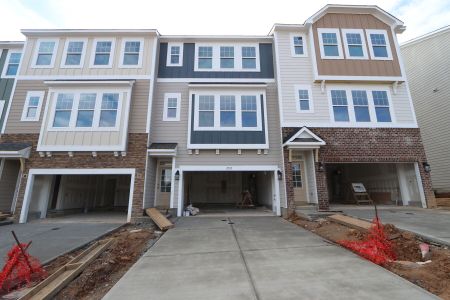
(123, 120)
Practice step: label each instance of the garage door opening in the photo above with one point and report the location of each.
(80, 197)
(230, 192)
(386, 183)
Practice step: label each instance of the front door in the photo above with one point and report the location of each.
(164, 184)
(299, 183)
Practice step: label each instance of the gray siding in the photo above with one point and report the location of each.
(428, 68)
(6, 85)
(187, 69)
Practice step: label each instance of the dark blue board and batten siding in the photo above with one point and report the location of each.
(187, 69)
(228, 137)
(6, 86)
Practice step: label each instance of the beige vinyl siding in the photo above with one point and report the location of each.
(428, 68)
(139, 106)
(177, 132)
(32, 43)
(8, 180)
(351, 67)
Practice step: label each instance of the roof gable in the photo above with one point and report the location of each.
(304, 138)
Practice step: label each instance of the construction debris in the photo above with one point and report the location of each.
(162, 222)
(191, 211)
(351, 222)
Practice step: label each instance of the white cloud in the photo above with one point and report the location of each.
(199, 16)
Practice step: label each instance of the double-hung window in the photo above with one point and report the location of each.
(131, 53)
(355, 44)
(206, 111)
(174, 55)
(108, 112)
(381, 103)
(298, 45)
(172, 107)
(12, 64)
(330, 43)
(205, 57)
(340, 105)
(249, 111)
(227, 111)
(33, 104)
(63, 110)
(249, 57)
(361, 106)
(45, 55)
(103, 54)
(74, 54)
(86, 109)
(379, 44)
(226, 57)
(303, 98)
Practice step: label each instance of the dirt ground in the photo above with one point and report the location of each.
(434, 276)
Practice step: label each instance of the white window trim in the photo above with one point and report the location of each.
(297, 100)
(237, 57)
(36, 52)
(363, 41)
(351, 109)
(39, 94)
(97, 109)
(169, 49)
(305, 49)
(2, 107)
(166, 102)
(339, 41)
(5, 67)
(238, 111)
(111, 54)
(122, 53)
(64, 56)
(388, 44)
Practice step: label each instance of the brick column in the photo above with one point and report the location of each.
(322, 187)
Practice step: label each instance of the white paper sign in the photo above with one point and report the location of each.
(359, 187)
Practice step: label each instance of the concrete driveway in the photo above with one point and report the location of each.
(53, 237)
(254, 258)
(432, 223)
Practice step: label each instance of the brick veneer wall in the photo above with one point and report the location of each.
(134, 159)
(348, 145)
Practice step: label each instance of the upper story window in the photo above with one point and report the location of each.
(330, 43)
(45, 54)
(103, 52)
(86, 110)
(303, 97)
(226, 57)
(73, 56)
(249, 57)
(33, 104)
(172, 103)
(298, 48)
(12, 64)
(205, 57)
(361, 106)
(236, 111)
(379, 46)
(223, 57)
(355, 44)
(340, 105)
(131, 56)
(174, 55)
(381, 103)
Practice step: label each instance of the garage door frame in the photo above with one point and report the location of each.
(33, 172)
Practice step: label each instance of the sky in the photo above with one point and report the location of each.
(181, 17)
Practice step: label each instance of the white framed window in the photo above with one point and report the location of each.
(297, 175)
(360, 105)
(354, 44)
(172, 102)
(303, 98)
(228, 111)
(74, 53)
(102, 53)
(227, 57)
(298, 45)
(379, 46)
(2, 107)
(86, 110)
(11, 64)
(330, 43)
(131, 53)
(174, 55)
(45, 53)
(32, 106)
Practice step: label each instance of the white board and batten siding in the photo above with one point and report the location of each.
(427, 68)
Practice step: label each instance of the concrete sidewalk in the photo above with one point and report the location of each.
(254, 258)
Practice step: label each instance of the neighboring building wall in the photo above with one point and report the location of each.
(6, 86)
(8, 180)
(428, 68)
